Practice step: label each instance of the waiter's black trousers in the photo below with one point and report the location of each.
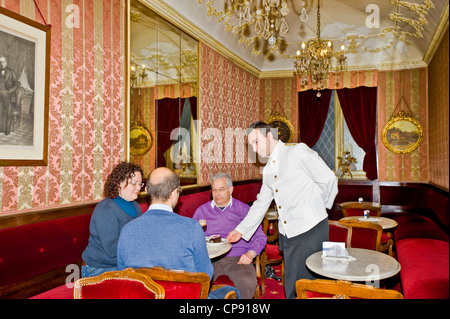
(296, 250)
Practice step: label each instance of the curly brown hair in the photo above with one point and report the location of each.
(122, 172)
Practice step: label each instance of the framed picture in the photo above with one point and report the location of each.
(24, 90)
(285, 128)
(140, 140)
(402, 134)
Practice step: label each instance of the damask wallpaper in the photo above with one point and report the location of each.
(229, 104)
(438, 112)
(412, 86)
(87, 109)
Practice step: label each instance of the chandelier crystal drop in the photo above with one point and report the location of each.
(269, 19)
(313, 61)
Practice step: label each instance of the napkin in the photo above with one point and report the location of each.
(334, 249)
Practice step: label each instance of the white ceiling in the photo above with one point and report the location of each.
(339, 20)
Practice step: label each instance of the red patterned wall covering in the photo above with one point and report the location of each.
(412, 85)
(87, 108)
(283, 90)
(438, 114)
(228, 100)
(350, 79)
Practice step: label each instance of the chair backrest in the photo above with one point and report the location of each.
(123, 284)
(357, 209)
(179, 284)
(270, 229)
(340, 233)
(340, 289)
(364, 234)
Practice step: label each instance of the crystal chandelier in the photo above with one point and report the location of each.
(269, 20)
(314, 60)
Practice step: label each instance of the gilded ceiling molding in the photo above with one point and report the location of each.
(437, 36)
(168, 13)
(174, 17)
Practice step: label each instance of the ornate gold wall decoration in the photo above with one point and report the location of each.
(402, 133)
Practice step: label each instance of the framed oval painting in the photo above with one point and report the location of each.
(140, 140)
(402, 134)
(285, 128)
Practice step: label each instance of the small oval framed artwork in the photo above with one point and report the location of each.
(402, 134)
(140, 140)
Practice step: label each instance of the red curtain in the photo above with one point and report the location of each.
(359, 106)
(312, 114)
(168, 113)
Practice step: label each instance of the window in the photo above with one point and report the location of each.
(335, 139)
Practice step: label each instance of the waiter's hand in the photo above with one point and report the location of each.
(234, 236)
(247, 258)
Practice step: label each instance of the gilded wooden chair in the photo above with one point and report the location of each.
(341, 289)
(365, 235)
(339, 232)
(357, 209)
(179, 284)
(123, 284)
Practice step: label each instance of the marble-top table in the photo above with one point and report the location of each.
(367, 266)
(386, 223)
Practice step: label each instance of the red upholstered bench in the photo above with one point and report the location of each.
(424, 270)
(42, 244)
(36, 255)
(61, 292)
(411, 225)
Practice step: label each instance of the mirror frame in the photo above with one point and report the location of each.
(173, 18)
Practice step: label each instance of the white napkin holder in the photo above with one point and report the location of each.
(334, 249)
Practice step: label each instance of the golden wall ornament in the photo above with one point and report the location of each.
(140, 140)
(402, 133)
(346, 164)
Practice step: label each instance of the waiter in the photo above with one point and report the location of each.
(303, 187)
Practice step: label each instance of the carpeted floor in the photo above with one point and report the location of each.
(274, 288)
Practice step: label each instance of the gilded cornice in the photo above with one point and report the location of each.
(168, 13)
(437, 36)
(174, 17)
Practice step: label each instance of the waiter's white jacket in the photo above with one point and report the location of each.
(302, 185)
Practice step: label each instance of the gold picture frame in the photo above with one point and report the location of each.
(140, 140)
(402, 133)
(285, 128)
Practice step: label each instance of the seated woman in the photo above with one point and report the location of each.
(110, 215)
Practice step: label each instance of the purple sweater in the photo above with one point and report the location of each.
(221, 222)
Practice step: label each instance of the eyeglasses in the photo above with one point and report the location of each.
(219, 190)
(180, 190)
(134, 183)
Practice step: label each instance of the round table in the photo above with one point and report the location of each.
(369, 265)
(386, 223)
(216, 250)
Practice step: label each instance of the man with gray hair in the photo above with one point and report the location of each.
(222, 215)
(160, 237)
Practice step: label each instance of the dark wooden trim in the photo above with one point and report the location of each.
(37, 216)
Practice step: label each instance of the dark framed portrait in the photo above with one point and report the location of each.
(24, 90)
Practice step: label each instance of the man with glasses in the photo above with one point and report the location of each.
(222, 215)
(163, 238)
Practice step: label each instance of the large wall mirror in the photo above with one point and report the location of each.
(163, 94)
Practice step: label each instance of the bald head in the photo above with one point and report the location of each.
(161, 184)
